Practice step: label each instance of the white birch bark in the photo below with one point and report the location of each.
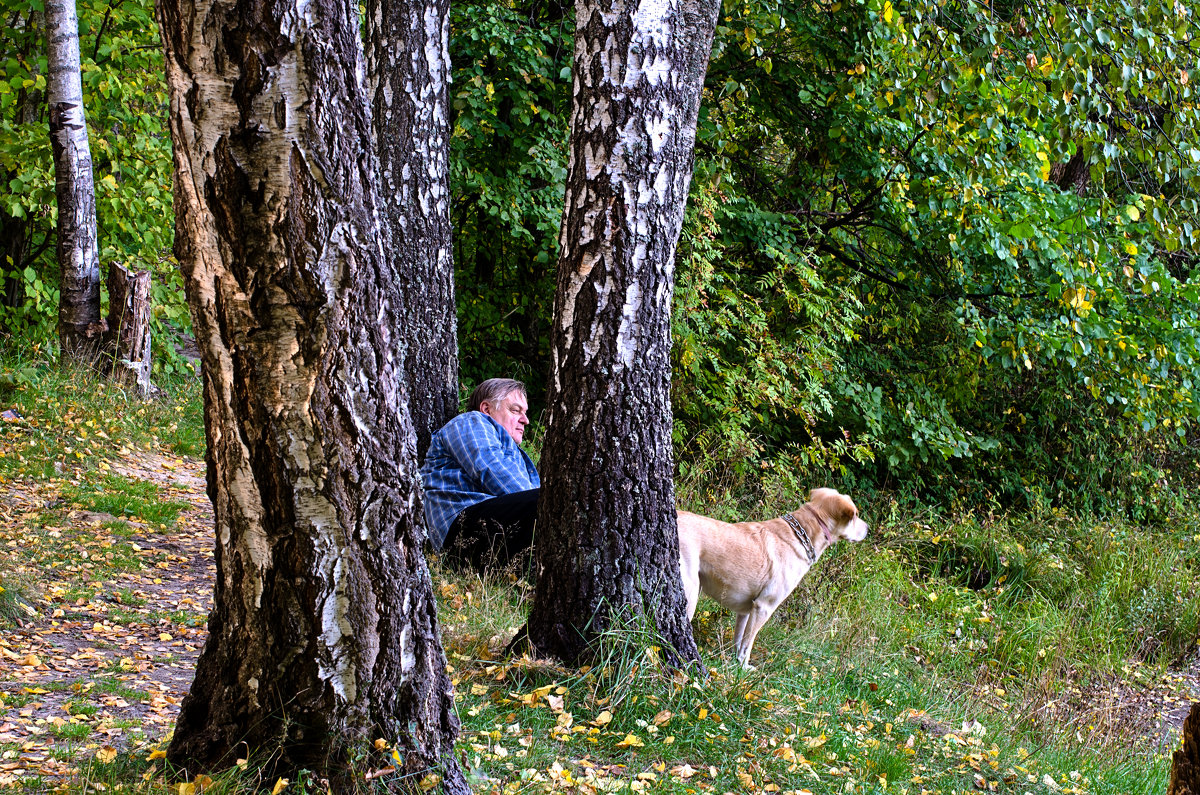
(607, 537)
(79, 320)
(409, 72)
(323, 635)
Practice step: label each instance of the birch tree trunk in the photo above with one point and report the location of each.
(409, 59)
(79, 324)
(127, 340)
(323, 636)
(607, 546)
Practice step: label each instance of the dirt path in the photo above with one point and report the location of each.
(113, 622)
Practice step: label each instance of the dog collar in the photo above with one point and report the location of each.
(801, 534)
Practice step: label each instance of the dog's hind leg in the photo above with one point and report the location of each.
(739, 629)
(689, 572)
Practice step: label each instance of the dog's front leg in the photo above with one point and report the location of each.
(747, 630)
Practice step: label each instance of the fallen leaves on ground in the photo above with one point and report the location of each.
(115, 615)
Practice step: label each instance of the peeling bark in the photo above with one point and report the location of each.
(127, 340)
(323, 635)
(409, 59)
(79, 323)
(607, 547)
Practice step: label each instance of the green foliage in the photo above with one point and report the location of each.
(947, 250)
(756, 336)
(510, 101)
(124, 89)
(1003, 279)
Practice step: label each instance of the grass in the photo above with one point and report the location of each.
(14, 599)
(970, 653)
(125, 497)
(72, 418)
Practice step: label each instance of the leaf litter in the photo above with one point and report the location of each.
(113, 620)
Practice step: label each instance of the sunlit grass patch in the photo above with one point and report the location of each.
(938, 656)
(69, 730)
(113, 685)
(69, 418)
(125, 497)
(15, 599)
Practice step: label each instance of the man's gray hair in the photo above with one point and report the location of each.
(494, 390)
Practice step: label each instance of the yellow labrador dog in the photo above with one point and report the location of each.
(751, 567)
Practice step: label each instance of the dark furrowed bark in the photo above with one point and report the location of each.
(323, 636)
(608, 545)
(409, 58)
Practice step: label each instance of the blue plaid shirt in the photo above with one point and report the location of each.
(471, 459)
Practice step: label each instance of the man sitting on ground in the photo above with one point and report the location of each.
(481, 489)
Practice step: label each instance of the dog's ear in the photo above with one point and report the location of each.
(837, 507)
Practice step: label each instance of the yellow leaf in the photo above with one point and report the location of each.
(31, 660)
(106, 754)
(888, 13)
(630, 741)
(1133, 213)
(603, 719)
(702, 714)
(381, 744)
(187, 789)
(164, 636)
(280, 786)
(429, 782)
(157, 753)
(1131, 249)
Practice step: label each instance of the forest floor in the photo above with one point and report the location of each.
(115, 618)
(114, 612)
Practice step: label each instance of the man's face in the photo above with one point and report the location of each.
(511, 413)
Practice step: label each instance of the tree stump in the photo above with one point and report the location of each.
(127, 341)
(1185, 768)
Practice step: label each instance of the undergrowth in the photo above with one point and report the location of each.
(950, 652)
(62, 420)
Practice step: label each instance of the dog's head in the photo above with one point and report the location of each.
(840, 513)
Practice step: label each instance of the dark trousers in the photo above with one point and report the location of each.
(490, 534)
